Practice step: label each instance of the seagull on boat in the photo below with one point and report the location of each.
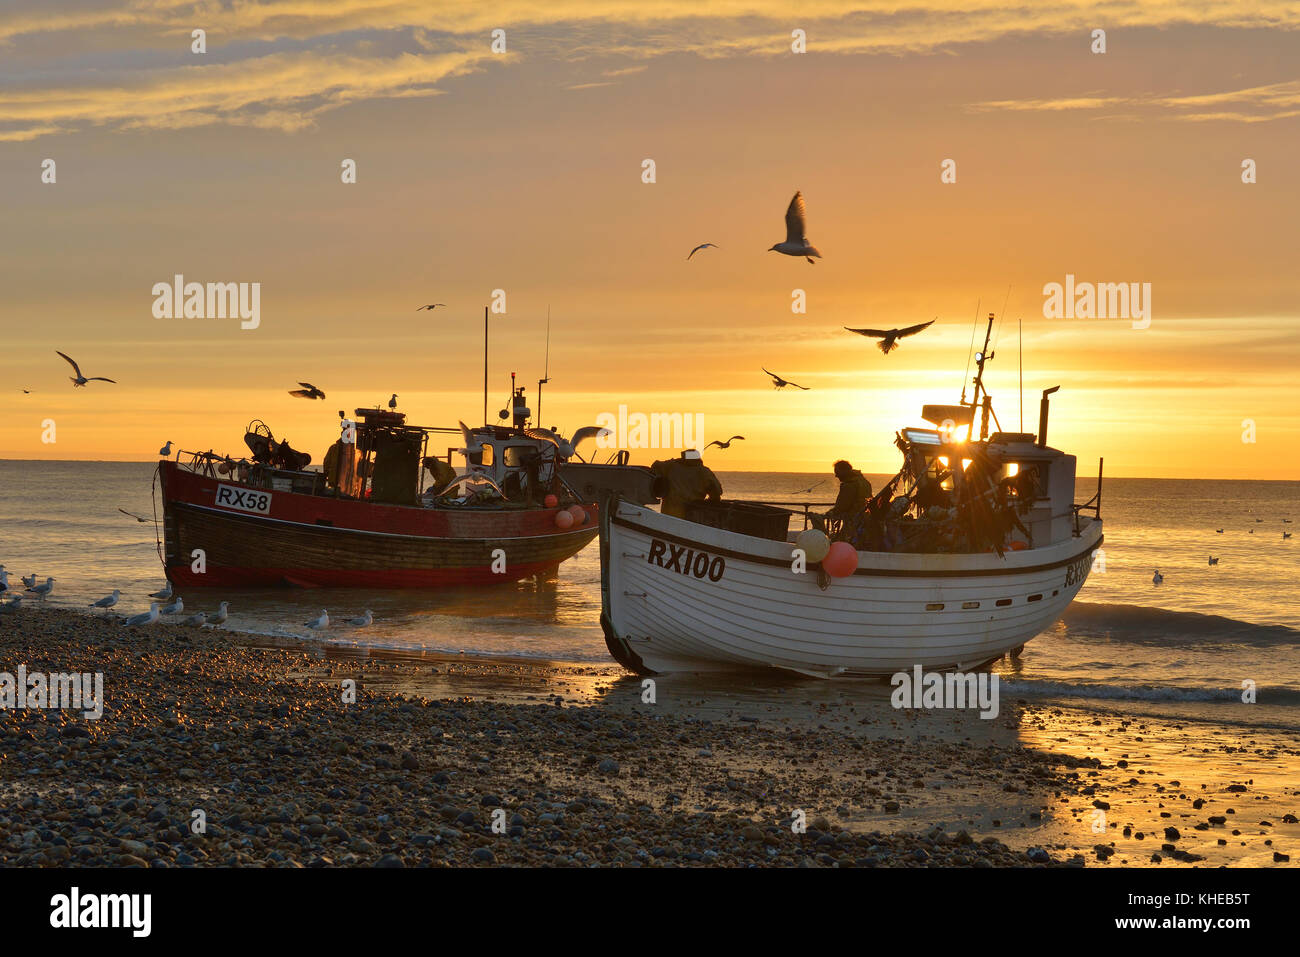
(132, 515)
(392, 403)
(779, 383)
(220, 617)
(796, 239)
(79, 381)
(144, 618)
(163, 593)
(308, 391)
(726, 444)
(108, 601)
(176, 607)
(704, 246)
(567, 449)
(321, 621)
(196, 621)
(1157, 578)
(166, 450)
(889, 337)
(43, 590)
(431, 306)
(1213, 560)
(367, 619)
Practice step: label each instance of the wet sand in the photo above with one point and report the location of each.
(449, 760)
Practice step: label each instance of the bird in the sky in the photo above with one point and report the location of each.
(726, 444)
(1286, 535)
(779, 383)
(79, 380)
(392, 403)
(163, 593)
(701, 246)
(472, 445)
(166, 450)
(367, 619)
(146, 618)
(431, 306)
(131, 515)
(796, 240)
(27, 391)
(320, 621)
(1218, 531)
(41, 591)
(220, 617)
(1213, 560)
(308, 391)
(108, 601)
(889, 337)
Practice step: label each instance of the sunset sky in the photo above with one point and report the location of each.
(522, 171)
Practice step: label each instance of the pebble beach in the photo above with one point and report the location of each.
(456, 761)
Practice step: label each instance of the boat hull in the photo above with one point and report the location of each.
(314, 541)
(678, 596)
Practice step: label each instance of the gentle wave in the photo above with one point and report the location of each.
(1144, 625)
(1288, 697)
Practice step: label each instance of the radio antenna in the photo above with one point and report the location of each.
(546, 374)
(969, 350)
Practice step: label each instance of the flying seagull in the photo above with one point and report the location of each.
(166, 450)
(472, 445)
(367, 619)
(308, 391)
(889, 337)
(130, 515)
(146, 618)
(1286, 535)
(79, 380)
(107, 601)
(321, 621)
(431, 306)
(392, 403)
(780, 383)
(702, 246)
(796, 242)
(726, 444)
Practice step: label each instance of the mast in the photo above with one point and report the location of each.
(546, 374)
(485, 364)
(976, 402)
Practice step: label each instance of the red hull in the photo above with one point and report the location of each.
(256, 537)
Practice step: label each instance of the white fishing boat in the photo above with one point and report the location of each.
(732, 587)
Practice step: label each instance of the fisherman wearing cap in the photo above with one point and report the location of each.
(684, 481)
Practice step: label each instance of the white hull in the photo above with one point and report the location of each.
(749, 609)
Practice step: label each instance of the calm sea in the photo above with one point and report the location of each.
(1192, 639)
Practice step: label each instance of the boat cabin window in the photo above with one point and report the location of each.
(516, 455)
(487, 455)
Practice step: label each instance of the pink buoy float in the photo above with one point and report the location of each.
(841, 560)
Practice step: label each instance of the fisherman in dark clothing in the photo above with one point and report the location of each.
(850, 505)
(681, 482)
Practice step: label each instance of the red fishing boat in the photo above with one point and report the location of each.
(383, 512)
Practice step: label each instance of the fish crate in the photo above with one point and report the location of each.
(304, 483)
(744, 518)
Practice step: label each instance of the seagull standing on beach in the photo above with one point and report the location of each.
(166, 450)
(79, 381)
(43, 590)
(164, 593)
(4, 579)
(196, 621)
(779, 383)
(703, 246)
(108, 601)
(796, 239)
(220, 617)
(367, 619)
(308, 391)
(29, 580)
(176, 607)
(1157, 578)
(889, 337)
(146, 618)
(320, 621)
(726, 444)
